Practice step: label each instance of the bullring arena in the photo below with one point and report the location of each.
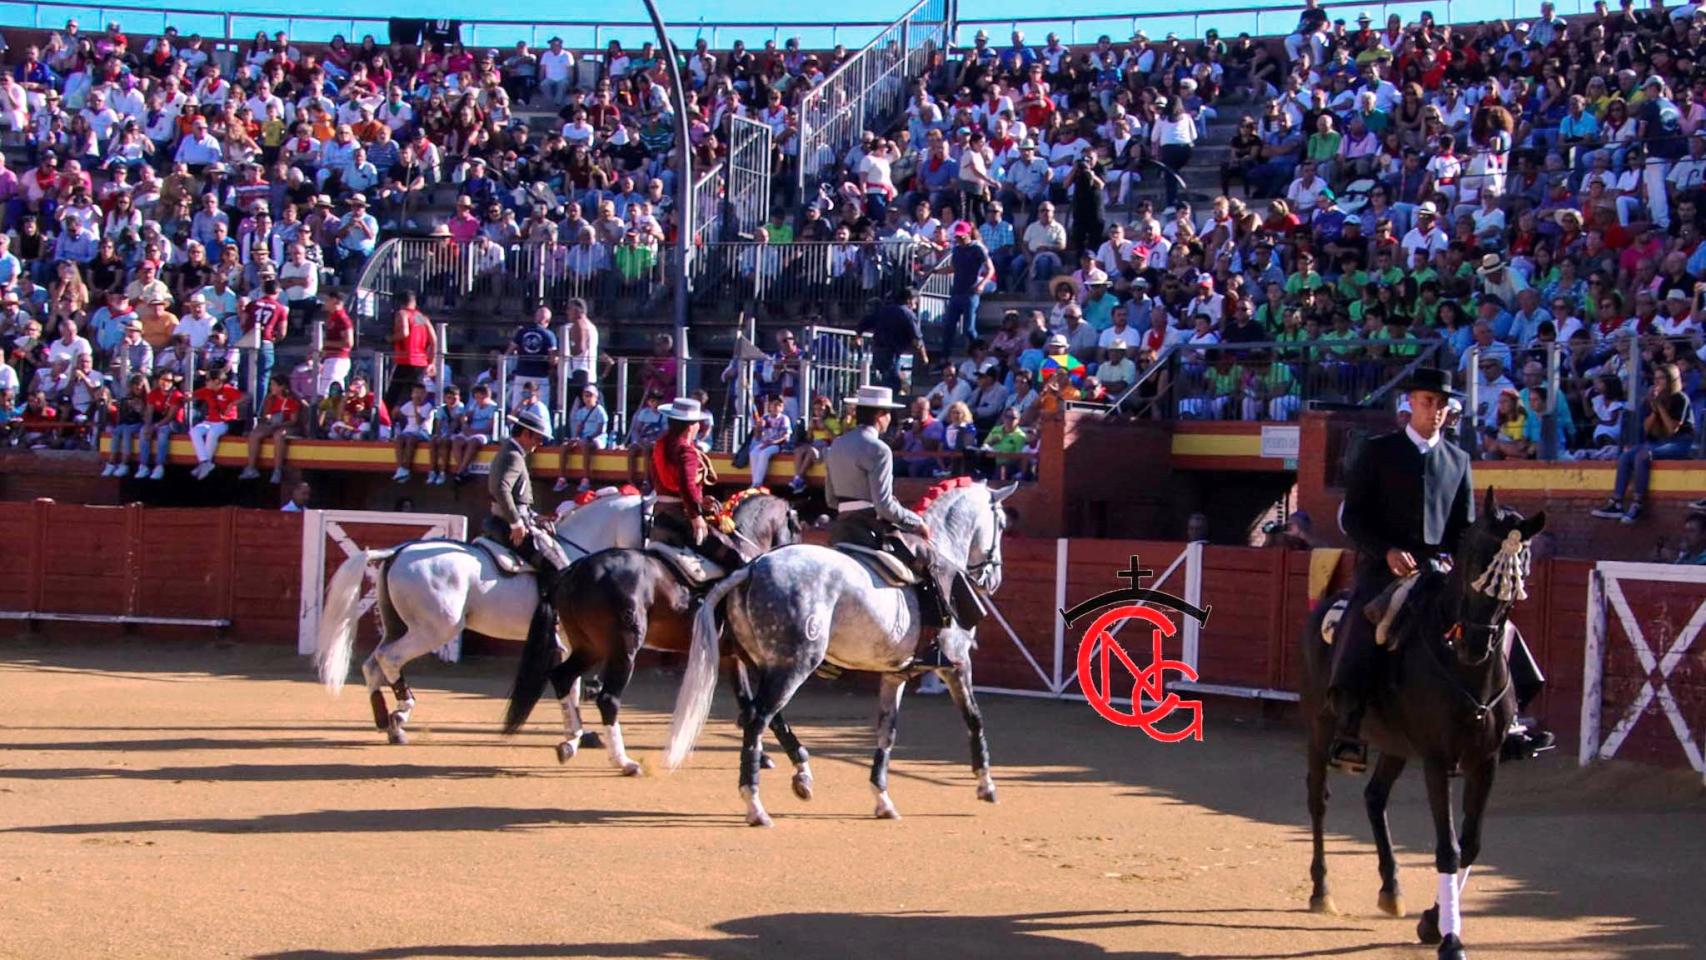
(176, 781)
(182, 798)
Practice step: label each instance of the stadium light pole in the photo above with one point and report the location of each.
(683, 189)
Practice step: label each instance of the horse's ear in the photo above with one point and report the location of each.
(1001, 493)
(1531, 526)
(1489, 506)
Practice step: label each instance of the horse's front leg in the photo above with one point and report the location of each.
(568, 690)
(959, 687)
(1447, 862)
(888, 724)
(1386, 771)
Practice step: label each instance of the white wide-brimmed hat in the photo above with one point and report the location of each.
(881, 398)
(684, 408)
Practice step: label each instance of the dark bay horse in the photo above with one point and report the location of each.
(613, 603)
(1446, 700)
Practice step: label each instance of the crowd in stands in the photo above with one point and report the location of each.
(1524, 194)
(1496, 198)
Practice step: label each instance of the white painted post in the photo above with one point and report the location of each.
(1593, 668)
(313, 582)
(1061, 554)
(1193, 596)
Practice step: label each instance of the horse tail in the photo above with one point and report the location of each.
(699, 681)
(539, 656)
(338, 617)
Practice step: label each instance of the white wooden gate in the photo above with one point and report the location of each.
(331, 536)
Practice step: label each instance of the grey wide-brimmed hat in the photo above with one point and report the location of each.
(529, 420)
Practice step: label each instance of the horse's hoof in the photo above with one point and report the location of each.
(759, 819)
(591, 741)
(986, 792)
(631, 768)
(803, 786)
(566, 751)
(886, 811)
(396, 735)
(1427, 928)
(1391, 904)
(1451, 948)
(765, 763)
(1323, 904)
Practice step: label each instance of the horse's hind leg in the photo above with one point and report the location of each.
(388, 661)
(888, 725)
(772, 689)
(959, 687)
(1386, 772)
(802, 782)
(567, 687)
(743, 699)
(618, 670)
(1320, 734)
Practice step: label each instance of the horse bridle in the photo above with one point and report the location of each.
(992, 559)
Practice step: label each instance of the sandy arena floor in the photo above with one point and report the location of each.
(208, 801)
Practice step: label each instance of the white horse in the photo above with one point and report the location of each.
(795, 607)
(432, 590)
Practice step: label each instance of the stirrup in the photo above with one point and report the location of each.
(1350, 756)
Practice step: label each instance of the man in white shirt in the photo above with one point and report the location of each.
(196, 323)
(556, 66)
(1044, 243)
(300, 278)
(1426, 234)
(1304, 189)
(950, 390)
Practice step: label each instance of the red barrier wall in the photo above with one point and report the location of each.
(244, 566)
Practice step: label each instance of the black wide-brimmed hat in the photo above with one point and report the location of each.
(1431, 379)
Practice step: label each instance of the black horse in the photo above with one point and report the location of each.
(613, 603)
(1445, 699)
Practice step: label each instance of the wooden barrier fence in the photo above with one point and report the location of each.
(243, 569)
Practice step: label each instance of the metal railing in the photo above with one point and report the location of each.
(815, 276)
(591, 36)
(707, 198)
(1267, 380)
(868, 91)
(1274, 19)
(446, 275)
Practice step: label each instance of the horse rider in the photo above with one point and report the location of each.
(859, 486)
(681, 475)
(512, 519)
(1409, 498)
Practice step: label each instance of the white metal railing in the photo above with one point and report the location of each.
(591, 36)
(867, 91)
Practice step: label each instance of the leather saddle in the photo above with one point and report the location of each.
(887, 567)
(508, 562)
(694, 570)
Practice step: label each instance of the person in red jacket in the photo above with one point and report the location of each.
(680, 474)
(279, 414)
(219, 400)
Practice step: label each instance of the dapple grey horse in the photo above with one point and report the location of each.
(432, 590)
(794, 608)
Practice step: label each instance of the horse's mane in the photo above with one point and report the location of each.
(743, 497)
(939, 491)
(587, 496)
